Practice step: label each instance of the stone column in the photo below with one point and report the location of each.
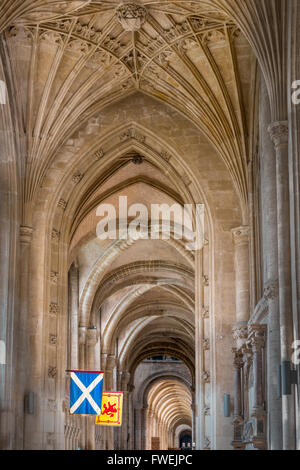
(81, 342)
(22, 346)
(82, 331)
(125, 420)
(199, 358)
(144, 428)
(73, 305)
(279, 135)
(238, 364)
(91, 341)
(137, 427)
(270, 268)
(109, 370)
(257, 338)
(242, 277)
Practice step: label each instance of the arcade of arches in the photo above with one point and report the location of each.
(185, 102)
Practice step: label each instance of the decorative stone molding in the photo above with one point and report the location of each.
(26, 234)
(131, 16)
(279, 132)
(62, 204)
(240, 235)
(52, 372)
(205, 280)
(206, 344)
(271, 290)
(206, 410)
(55, 235)
(99, 154)
(53, 308)
(54, 277)
(77, 178)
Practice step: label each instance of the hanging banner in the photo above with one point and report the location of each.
(86, 392)
(111, 411)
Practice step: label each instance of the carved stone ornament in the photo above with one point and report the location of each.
(54, 277)
(77, 178)
(99, 154)
(131, 16)
(206, 377)
(137, 159)
(53, 308)
(52, 339)
(240, 332)
(62, 204)
(132, 134)
(52, 372)
(55, 235)
(279, 132)
(271, 290)
(205, 313)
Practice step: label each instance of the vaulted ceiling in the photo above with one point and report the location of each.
(186, 54)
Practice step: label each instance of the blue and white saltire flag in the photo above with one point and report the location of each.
(86, 392)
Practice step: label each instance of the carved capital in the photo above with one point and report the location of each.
(240, 235)
(238, 359)
(240, 333)
(279, 132)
